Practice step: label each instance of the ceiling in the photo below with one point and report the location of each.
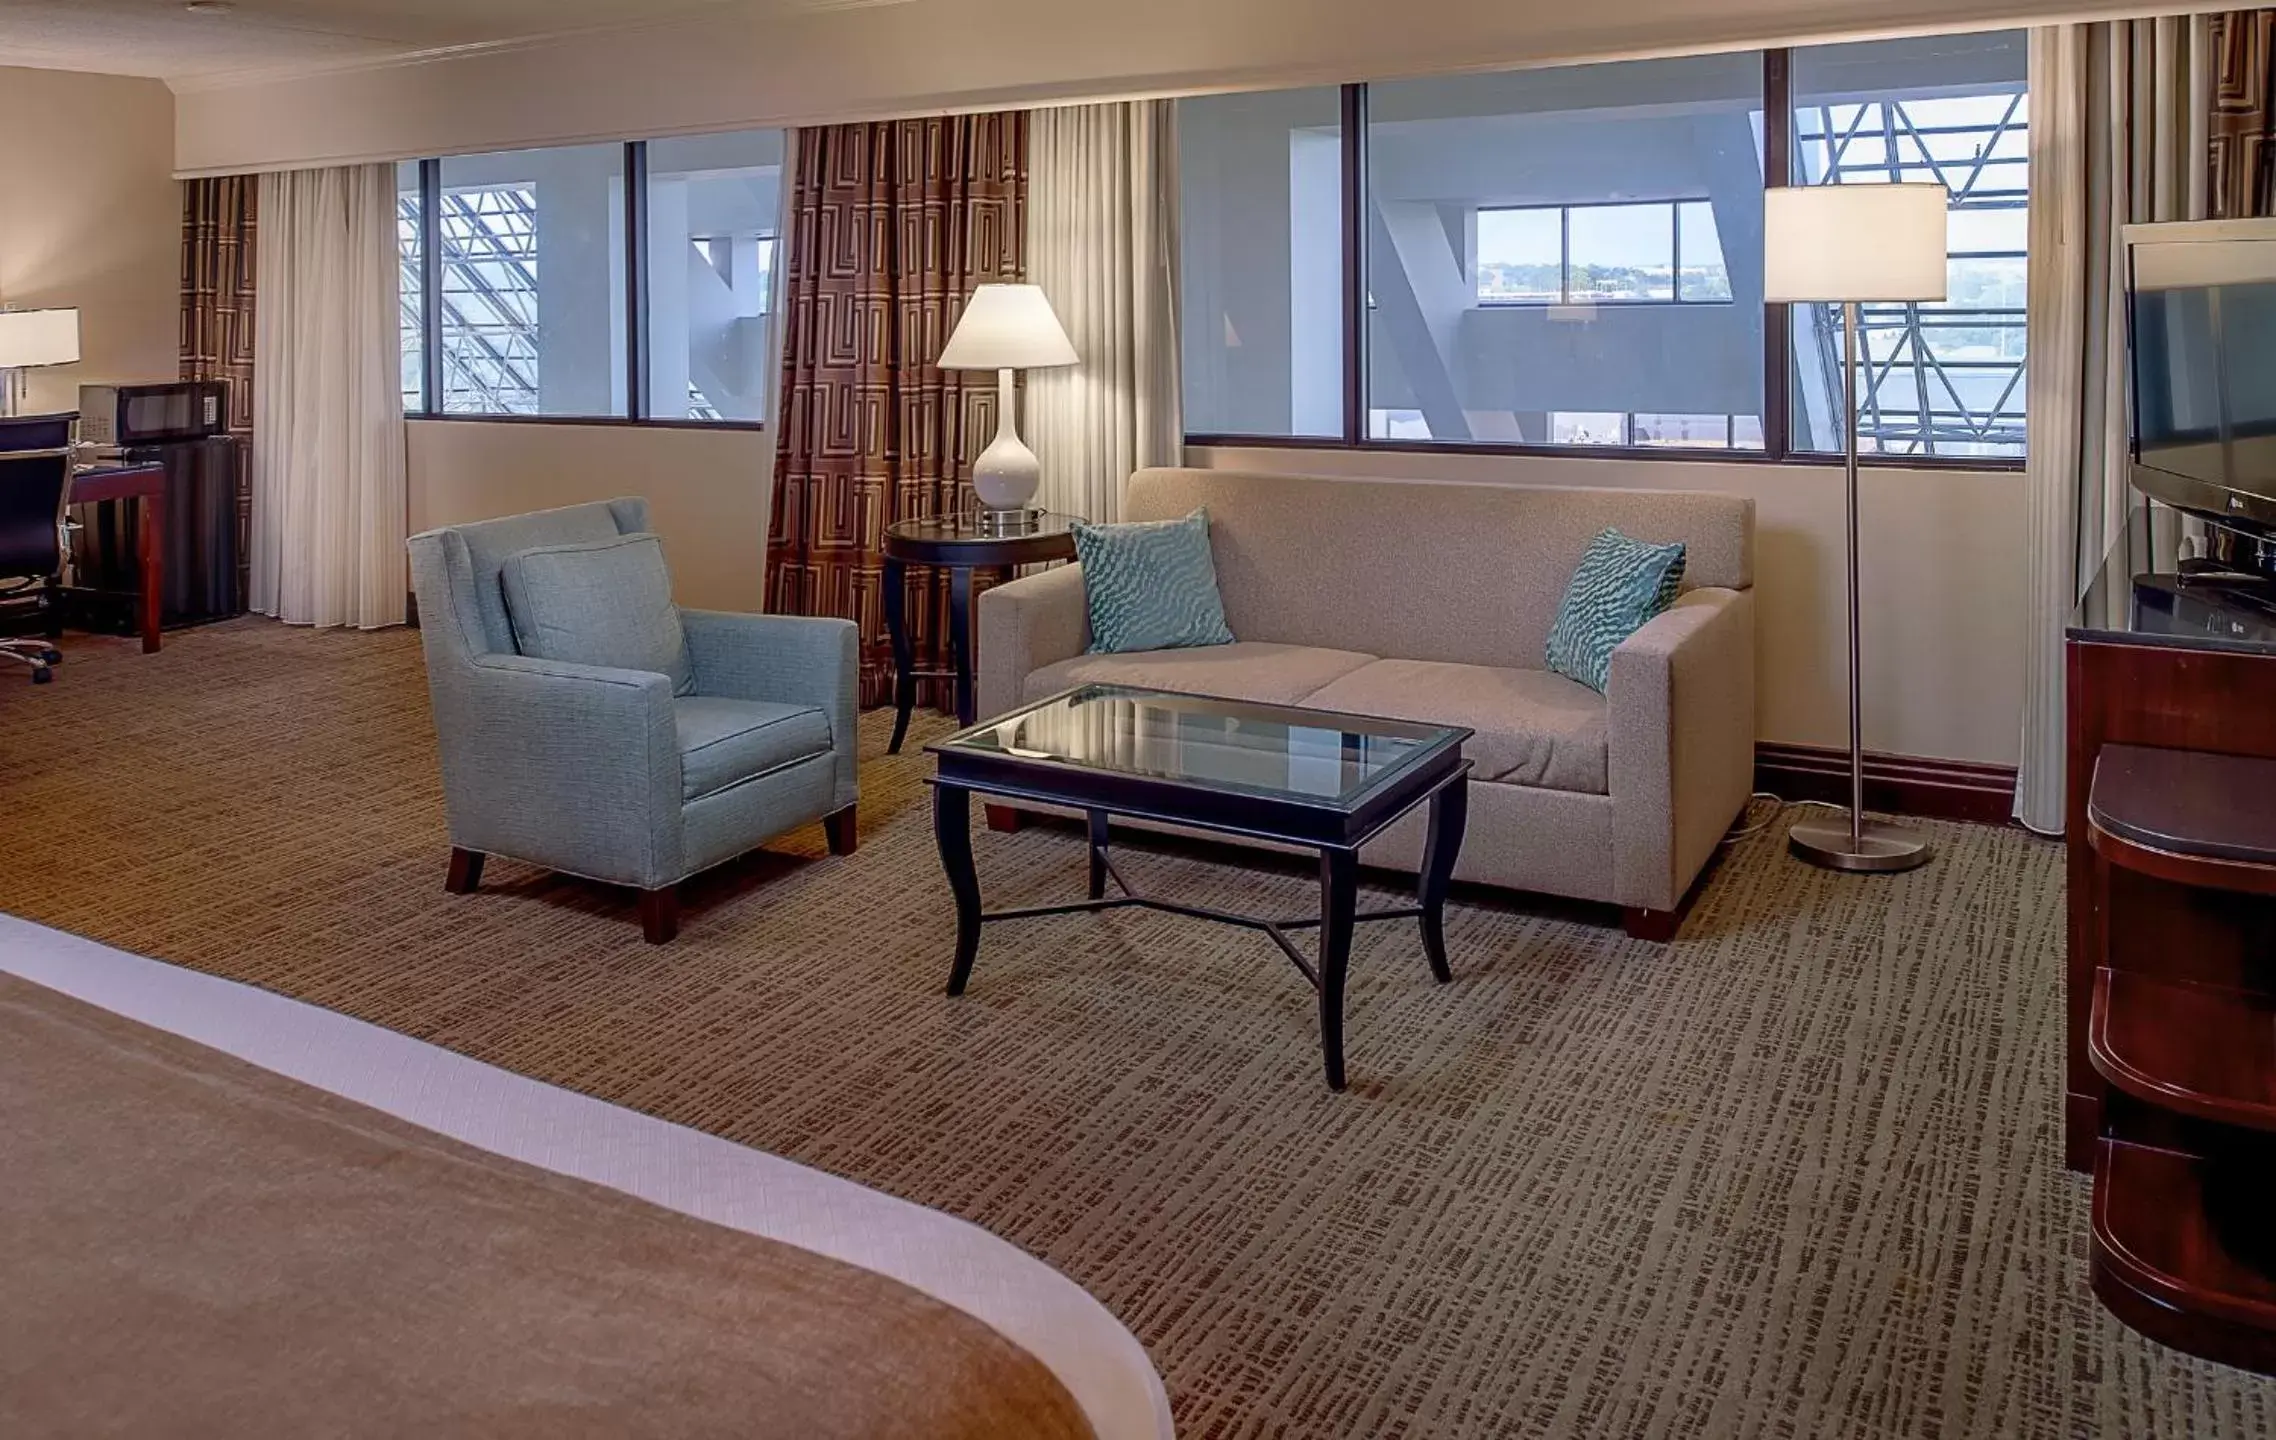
(164, 39)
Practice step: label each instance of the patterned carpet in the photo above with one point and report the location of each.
(1795, 1175)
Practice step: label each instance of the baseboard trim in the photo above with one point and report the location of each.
(1894, 784)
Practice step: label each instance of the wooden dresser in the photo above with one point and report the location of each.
(2171, 1063)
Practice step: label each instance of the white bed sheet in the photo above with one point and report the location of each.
(1101, 1363)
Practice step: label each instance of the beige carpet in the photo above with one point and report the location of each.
(1795, 1175)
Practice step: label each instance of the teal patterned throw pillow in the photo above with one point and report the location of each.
(1151, 585)
(1621, 583)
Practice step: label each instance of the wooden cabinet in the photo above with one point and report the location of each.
(2171, 1070)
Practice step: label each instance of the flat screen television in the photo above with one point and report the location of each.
(2202, 322)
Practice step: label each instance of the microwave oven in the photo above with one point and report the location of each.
(156, 414)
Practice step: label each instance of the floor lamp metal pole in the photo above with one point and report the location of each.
(1860, 844)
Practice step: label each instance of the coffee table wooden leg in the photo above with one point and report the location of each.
(1449, 813)
(1098, 854)
(1339, 900)
(952, 829)
(904, 663)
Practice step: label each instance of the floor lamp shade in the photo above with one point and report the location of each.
(1854, 245)
(1006, 328)
(1853, 242)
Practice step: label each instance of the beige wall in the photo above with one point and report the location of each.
(707, 489)
(90, 216)
(1943, 584)
(760, 63)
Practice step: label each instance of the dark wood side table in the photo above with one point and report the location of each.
(146, 483)
(960, 544)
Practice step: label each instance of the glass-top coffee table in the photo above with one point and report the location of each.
(1312, 778)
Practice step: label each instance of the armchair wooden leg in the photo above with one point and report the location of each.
(660, 914)
(465, 871)
(838, 825)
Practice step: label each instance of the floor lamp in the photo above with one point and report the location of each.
(1848, 244)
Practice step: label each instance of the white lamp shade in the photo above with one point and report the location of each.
(1008, 327)
(38, 337)
(1853, 242)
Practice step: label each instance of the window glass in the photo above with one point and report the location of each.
(410, 241)
(1620, 252)
(1521, 256)
(1943, 378)
(1261, 214)
(714, 205)
(1568, 256)
(533, 282)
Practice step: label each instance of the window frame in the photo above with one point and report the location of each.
(1778, 446)
(634, 360)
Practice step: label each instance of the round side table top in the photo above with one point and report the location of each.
(973, 538)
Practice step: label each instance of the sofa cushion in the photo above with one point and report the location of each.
(1150, 586)
(1244, 670)
(723, 742)
(598, 602)
(1532, 727)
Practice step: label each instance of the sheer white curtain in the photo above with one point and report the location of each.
(2119, 115)
(328, 467)
(1102, 242)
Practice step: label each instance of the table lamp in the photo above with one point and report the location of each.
(29, 338)
(1844, 244)
(1006, 328)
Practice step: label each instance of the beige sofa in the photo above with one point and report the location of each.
(1433, 602)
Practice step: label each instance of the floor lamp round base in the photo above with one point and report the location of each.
(1882, 850)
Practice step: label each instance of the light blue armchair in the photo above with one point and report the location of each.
(604, 772)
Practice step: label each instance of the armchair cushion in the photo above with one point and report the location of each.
(599, 602)
(724, 742)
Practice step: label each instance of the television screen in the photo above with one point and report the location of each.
(2204, 341)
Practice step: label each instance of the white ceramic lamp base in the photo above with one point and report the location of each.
(1007, 474)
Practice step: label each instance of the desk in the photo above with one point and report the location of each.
(958, 544)
(146, 483)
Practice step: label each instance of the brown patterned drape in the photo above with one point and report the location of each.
(892, 225)
(218, 222)
(2244, 108)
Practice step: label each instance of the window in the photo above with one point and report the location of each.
(1572, 257)
(409, 236)
(1934, 379)
(713, 207)
(1545, 257)
(1663, 252)
(530, 257)
(1261, 214)
(531, 252)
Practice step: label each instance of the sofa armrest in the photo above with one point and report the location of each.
(574, 767)
(1680, 696)
(1032, 622)
(790, 660)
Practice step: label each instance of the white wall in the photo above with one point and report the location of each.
(707, 489)
(1945, 604)
(90, 215)
(760, 63)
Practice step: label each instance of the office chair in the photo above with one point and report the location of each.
(35, 488)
